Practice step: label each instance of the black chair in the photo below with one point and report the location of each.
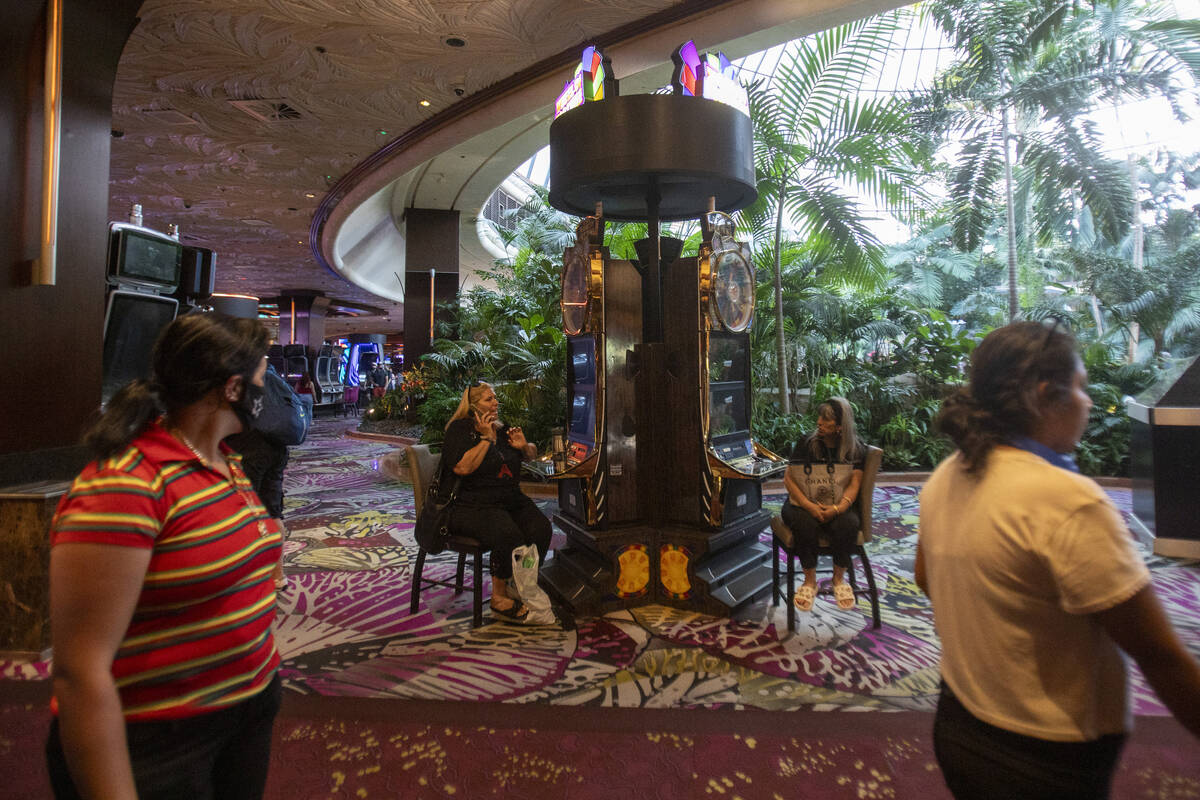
(423, 465)
(781, 539)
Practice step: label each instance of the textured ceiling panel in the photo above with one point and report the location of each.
(236, 110)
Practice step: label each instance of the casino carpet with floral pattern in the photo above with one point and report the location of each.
(345, 632)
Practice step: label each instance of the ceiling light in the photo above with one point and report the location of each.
(425, 103)
(310, 194)
(455, 41)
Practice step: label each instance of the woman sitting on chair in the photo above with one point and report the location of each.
(824, 474)
(490, 507)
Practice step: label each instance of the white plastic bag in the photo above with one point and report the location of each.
(525, 581)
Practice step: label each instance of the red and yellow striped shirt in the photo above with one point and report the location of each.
(200, 638)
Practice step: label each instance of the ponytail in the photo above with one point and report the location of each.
(973, 429)
(128, 413)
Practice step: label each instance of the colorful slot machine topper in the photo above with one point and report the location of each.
(593, 80)
(711, 76)
(688, 66)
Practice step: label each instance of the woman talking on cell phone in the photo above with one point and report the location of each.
(1036, 586)
(486, 454)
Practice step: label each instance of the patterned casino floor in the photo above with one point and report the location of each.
(344, 627)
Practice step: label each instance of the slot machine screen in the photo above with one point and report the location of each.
(727, 409)
(581, 385)
(583, 415)
(583, 360)
(131, 328)
(729, 394)
(728, 357)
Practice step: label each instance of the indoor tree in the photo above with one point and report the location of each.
(816, 139)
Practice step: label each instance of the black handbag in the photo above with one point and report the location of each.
(433, 522)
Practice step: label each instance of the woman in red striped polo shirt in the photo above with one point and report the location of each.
(161, 598)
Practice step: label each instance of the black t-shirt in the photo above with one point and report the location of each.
(496, 477)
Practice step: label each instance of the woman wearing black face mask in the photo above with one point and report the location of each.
(161, 598)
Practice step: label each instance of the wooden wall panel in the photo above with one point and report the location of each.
(53, 334)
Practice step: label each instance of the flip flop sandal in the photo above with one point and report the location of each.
(516, 613)
(804, 597)
(844, 596)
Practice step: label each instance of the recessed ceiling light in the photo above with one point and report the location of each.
(425, 103)
(455, 41)
(310, 194)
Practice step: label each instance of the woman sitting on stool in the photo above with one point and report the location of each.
(490, 507)
(823, 477)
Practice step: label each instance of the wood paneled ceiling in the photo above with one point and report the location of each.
(234, 118)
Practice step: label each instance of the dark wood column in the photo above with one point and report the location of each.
(431, 274)
(53, 334)
(302, 318)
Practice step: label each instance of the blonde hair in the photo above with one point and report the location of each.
(470, 396)
(850, 448)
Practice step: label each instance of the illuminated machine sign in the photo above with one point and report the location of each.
(592, 81)
(711, 76)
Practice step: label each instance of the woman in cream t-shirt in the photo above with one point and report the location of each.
(1036, 586)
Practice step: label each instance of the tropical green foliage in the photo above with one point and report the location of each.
(814, 136)
(892, 329)
(1017, 98)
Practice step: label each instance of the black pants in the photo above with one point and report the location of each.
(984, 762)
(222, 755)
(841, 531)
(502, 527)
(263, 462)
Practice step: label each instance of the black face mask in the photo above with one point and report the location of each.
(250, 405)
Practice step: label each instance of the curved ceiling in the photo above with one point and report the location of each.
(283, 133)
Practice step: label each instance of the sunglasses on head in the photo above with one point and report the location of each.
(1054, 324)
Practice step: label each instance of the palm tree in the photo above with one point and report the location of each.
(1029, 71)
(813, 137)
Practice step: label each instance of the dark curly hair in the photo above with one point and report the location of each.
(193, 354)
(1001, 400)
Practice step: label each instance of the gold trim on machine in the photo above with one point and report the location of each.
(588, 255)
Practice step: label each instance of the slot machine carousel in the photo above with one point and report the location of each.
(661, 494)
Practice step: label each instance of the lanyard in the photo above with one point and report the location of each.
(1064, 460)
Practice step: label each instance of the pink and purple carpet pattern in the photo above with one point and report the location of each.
(344, 627)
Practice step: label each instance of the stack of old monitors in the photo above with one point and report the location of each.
(735, 465)
(143, 275)
(197, 276)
